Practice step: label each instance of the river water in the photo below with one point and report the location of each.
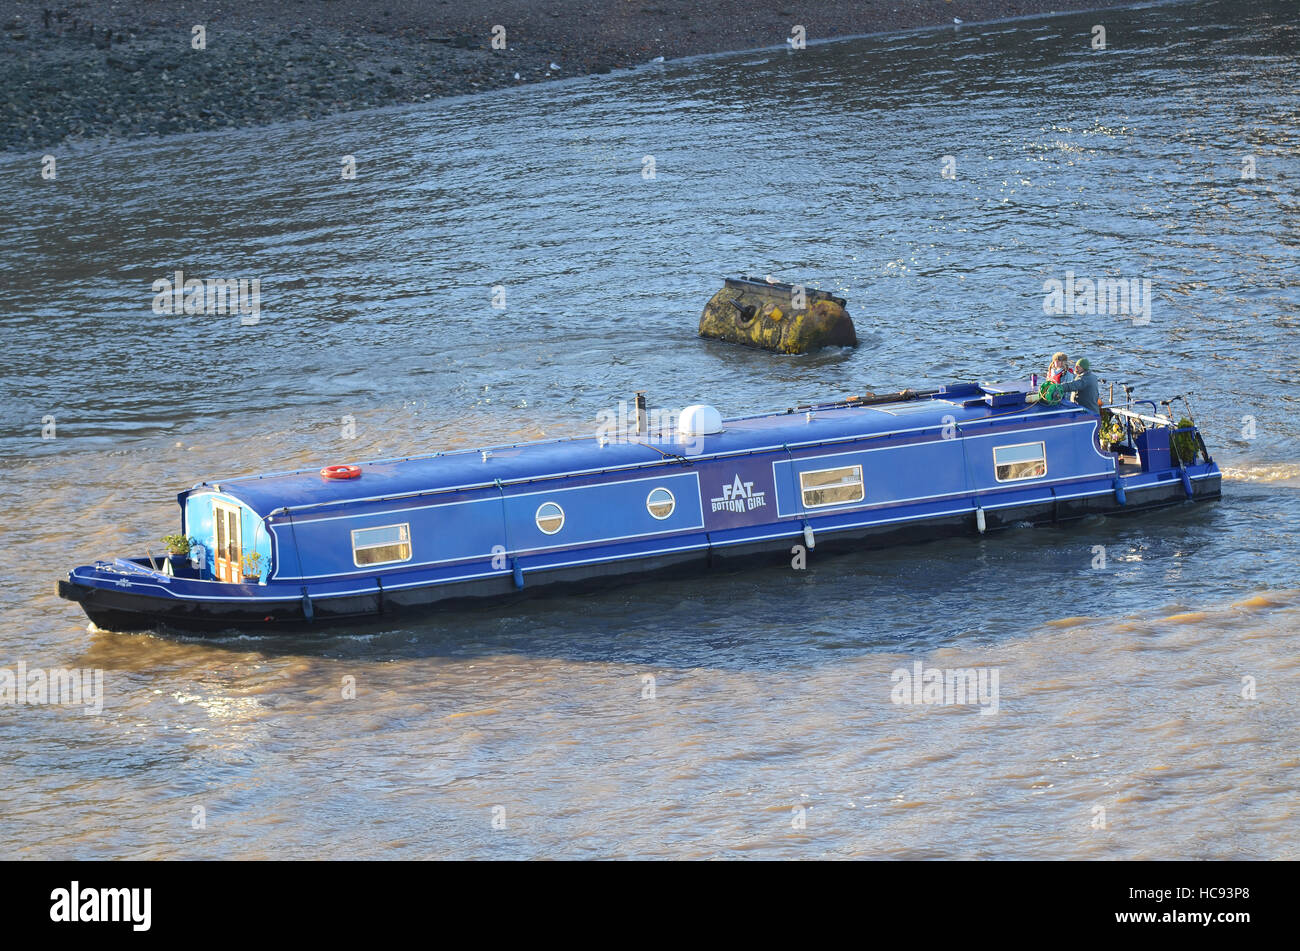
(1149, 686)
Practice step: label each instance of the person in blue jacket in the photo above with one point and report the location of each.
(1085, 386)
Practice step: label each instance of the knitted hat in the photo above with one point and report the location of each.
(1083, 364)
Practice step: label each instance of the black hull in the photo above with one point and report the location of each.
(115, 610)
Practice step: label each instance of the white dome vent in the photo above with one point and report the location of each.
(700, 421)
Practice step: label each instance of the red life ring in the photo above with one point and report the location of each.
(341, 472)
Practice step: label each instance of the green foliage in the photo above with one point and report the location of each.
(178, 544)
(1184, 444)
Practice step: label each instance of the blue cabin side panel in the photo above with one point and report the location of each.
(467, 528)
(930, 469)
(908, 472)
(1072, 454)
(321, 546)
(602, 512)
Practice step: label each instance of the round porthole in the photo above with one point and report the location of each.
(660, 503)
(550, 517)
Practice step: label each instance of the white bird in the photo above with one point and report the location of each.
(956, 19)
(555, 66)
(516, 75)
(657, 59)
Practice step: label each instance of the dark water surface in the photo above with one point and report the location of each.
(1121, 686)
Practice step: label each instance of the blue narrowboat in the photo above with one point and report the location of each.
(381, 538)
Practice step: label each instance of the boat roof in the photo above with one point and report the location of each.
(552, 458)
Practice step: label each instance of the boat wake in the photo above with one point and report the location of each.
(1217, 617)
(1275, 473)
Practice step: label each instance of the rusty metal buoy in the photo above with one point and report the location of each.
(782, 318)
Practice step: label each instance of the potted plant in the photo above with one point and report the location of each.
(1184, 444)
(177, 544)
(252, 567)
(178, 548)
(1111, 433)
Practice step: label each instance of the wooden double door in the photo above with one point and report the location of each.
(227, 562)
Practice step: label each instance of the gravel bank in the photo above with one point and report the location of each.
(123, 68)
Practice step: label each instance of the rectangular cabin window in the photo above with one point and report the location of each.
(831, 486)
(1025, 461)
(381, 546)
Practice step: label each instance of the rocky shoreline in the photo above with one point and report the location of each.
(126, 68)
